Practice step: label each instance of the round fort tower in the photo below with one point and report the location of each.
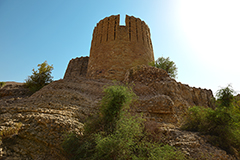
(116, 48)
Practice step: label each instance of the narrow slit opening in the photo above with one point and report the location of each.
(142, 33)
(136, 30)
(101, 33)
(115, 27)
(107, 29)
(129, 29)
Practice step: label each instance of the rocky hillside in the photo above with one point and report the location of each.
(13, 90)
(162, 98)
(62, 106)
(45, 116)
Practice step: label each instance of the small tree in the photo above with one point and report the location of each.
(167, 65)
(225, 96)
(40, 77)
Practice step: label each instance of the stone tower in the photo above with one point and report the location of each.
(116, 48)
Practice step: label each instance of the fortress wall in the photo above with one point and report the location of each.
(106, 30)
(117, 48)
(77, 67)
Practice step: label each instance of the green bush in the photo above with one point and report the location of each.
(196, 119)
(2, 84)
(79, 146)
(117, 98)
(221, 123)
(116, 134)
(40, 77)
(225, 96)
(165, 63)
(129, 141)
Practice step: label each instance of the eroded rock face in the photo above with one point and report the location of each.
(13, 90)
(45, 116)
(192, 144)
(162, 98)
(64, 105)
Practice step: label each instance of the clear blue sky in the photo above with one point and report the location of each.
(202, 36)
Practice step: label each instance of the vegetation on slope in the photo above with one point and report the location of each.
(116, 134)
(221, 123)
(40, 77)
(166, 64)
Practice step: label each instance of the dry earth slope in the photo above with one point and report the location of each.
(64, 105)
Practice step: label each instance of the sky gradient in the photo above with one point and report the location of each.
(202, 37)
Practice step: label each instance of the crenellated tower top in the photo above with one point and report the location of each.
(115, 48)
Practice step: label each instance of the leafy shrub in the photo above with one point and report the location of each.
(40, 77)
(167, 65)
(115, 133)
(196, 119)
(79, 146)
(116, 98)
(2, 84)
(129, 141)
(221, 123)
(225, 96)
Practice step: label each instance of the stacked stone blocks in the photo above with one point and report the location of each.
(115, 49)
(77, 67)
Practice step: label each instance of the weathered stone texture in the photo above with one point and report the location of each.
(117, 52)
(13, 90)
(64, 105)
(117, 48)
(162, 98)
(77, 67)
(192, 144)
(57, 108)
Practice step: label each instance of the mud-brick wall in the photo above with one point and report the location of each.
(77, 67)
(115, 48)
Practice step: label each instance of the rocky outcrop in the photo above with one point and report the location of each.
(192, 144)
(64, 105)
(45, 116)
(162, 98)
(13, 90)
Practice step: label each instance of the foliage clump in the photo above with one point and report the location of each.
(221, 123)
(166, 64)
(40, 77)
(2, 84)
(116, 134)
